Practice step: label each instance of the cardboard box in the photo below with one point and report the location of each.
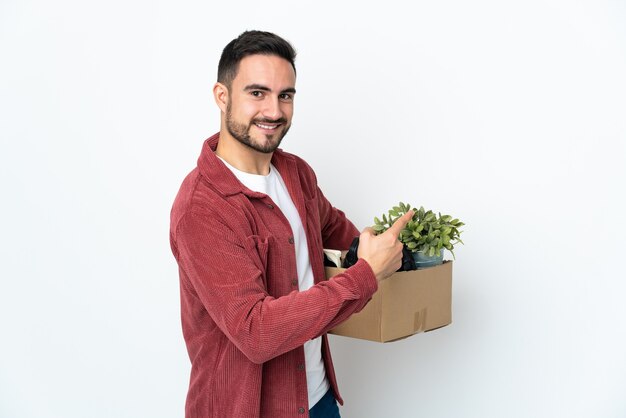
(406, 303)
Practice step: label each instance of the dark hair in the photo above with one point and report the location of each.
(251, 43)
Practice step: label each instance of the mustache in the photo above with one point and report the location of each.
(266, 120)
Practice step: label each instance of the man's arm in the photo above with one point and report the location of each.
(229, 279)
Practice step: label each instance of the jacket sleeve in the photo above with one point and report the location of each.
(228, 277)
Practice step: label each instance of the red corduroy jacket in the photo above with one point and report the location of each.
(243, 318)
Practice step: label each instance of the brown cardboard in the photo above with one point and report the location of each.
(406, 303)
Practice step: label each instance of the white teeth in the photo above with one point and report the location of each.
(266, 126)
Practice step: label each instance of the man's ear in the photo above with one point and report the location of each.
(220, 94)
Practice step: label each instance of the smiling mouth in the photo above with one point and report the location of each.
(268, 124)
(269, 127)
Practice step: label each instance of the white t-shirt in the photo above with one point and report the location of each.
(274, 186)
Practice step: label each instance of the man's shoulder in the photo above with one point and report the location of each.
(195, 195)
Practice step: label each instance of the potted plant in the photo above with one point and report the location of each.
(426, 235)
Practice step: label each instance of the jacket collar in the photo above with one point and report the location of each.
(220, 176)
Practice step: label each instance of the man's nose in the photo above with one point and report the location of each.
(272, 109)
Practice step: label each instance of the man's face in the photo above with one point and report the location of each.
(260, 104)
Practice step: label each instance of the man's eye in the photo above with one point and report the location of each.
(256, 93)
(286, 97)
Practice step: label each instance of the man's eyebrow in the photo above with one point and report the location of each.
(265, 88)
(256, 87)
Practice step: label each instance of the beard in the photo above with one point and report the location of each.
(241, 132)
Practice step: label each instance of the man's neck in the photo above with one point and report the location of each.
(241, 156)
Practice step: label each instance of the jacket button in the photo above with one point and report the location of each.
(301, 366)
(294, 282)
(301, 410)
(291, 241)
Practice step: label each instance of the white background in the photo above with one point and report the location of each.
(508, 115)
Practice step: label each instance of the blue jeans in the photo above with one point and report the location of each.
(325, 407)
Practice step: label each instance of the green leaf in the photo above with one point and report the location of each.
(416, 234)
(378, 228)
(377, 221)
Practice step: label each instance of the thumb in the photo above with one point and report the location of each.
(400, 223)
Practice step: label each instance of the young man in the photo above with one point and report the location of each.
(247, 229)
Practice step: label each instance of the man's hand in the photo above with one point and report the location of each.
(383, 252)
